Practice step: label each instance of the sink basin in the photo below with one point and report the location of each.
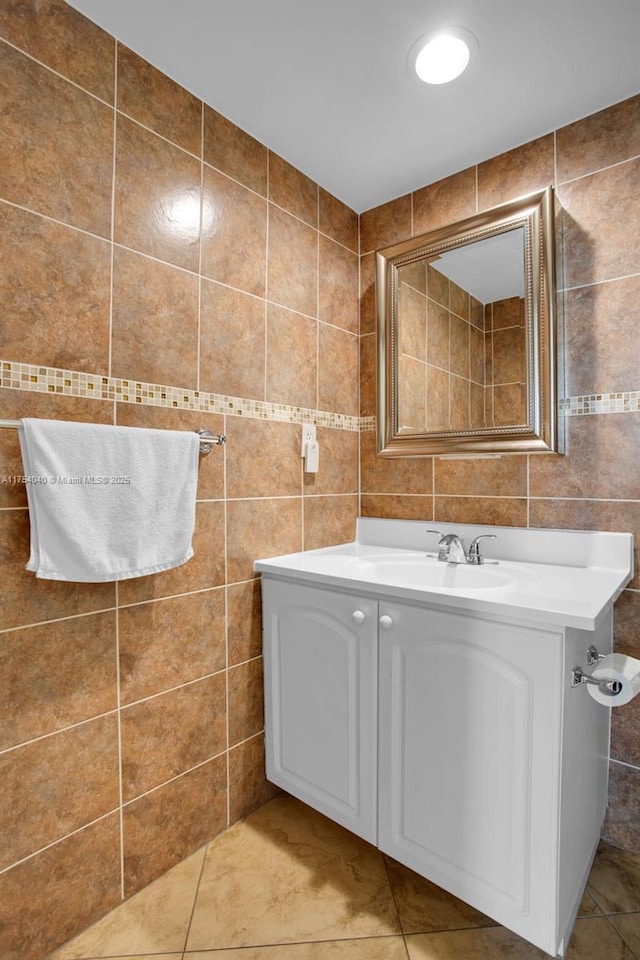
(426, 572)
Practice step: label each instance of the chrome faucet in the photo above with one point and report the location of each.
(451, 548)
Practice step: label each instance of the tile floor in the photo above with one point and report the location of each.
(288, 884)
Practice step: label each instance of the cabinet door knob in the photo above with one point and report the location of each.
(358, 616)
(386, 622)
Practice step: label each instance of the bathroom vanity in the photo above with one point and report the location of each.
(429, 706)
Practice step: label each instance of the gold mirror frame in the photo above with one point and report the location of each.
(539, 433)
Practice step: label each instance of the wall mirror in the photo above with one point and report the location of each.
(467, 336)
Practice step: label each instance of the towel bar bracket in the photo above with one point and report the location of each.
(208, 440)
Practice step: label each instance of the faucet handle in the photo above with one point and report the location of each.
(441, 539)
(450, 548)
(475, 557)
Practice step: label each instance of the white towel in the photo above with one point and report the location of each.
(108, 503)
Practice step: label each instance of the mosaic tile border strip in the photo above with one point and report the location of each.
(588, 405)
(37, 379)
(600, 403)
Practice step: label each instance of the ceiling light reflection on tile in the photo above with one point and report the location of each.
(180, 215)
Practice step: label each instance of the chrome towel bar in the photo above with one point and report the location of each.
(207, 439)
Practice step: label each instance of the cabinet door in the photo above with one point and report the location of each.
(320, 659)
(469, 754)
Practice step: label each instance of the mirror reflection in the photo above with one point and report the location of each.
(461, 338)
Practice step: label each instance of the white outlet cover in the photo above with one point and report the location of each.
(308, 433)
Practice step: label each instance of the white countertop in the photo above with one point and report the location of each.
(589, 569)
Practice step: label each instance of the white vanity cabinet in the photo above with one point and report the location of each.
(492, 770)
(320, 666)
(469, 728)
(453, 742)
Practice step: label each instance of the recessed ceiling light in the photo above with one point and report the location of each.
(442, 55)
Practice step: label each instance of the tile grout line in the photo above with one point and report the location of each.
(115, 420)
(187, 683)
(617, 932)
(303, 511)
(359, 441)
(120, 756)
(178, 776)
(121, 707)
(492, 358)
(126, 606)
(58, 840)
(395, 902)
(477, 187)
(317, 300)
(599, 283)
(61, 76)
(112, 227)
(200, 232)
(150, 256)
(593, 173)
(53, 733)
(42, 623)
(126, 803)
(266, 285)
(225, 545)
(623, 763)
(195, 894)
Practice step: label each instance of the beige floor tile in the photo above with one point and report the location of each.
(424, 908)
(288, 884)
(614, 881)
(628, 926)
(287, 874)
(588, 907)
(489, 943)
(379, 948)
(593, 939)
(152, 921)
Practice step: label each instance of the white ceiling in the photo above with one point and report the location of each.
(324, 83)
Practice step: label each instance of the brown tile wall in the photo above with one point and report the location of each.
(596, 484)
(131, 728)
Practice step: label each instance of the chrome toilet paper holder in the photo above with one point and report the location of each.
(609, 687)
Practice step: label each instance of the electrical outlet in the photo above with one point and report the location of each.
(308, 434)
